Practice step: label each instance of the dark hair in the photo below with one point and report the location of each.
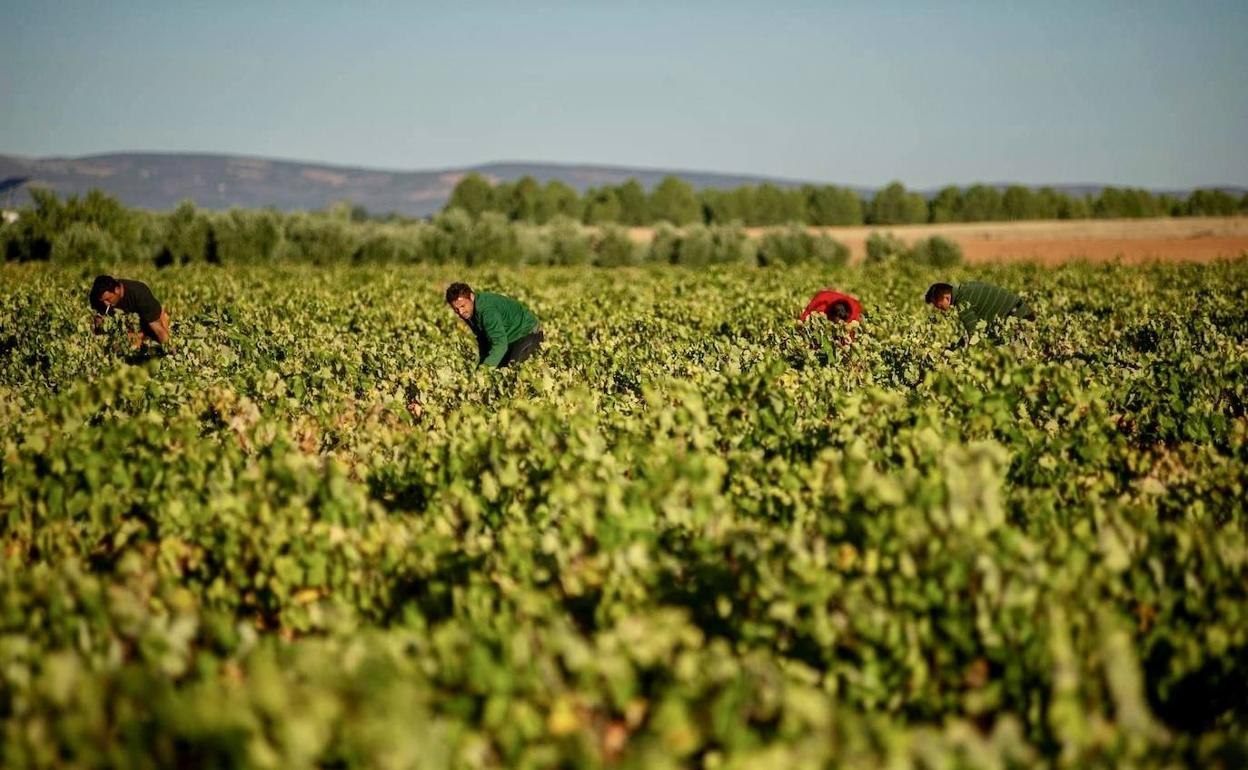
(936, 291)
(102, 284)
(839, 311)
(457, 290)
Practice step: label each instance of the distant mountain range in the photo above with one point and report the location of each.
(159, 181)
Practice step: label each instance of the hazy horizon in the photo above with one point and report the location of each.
(1126, 94)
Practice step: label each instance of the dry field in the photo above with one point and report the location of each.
(1197, 239)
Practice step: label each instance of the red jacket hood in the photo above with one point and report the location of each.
(827, 298)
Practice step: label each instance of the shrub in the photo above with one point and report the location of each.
(699, 245)
(188, 238)
(882, 247)
(379, 248)
(1204, 203)
(935, 252)
(244, 236)
(567, 243)
(446, 240)
(665, 245)
(696, 247)
(320, 239)
(493, 240)
(731, 244)
(793, 244)
(81, 242)
(614, 248)
(19, 242)
(33, 236)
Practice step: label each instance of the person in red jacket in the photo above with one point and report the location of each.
(835, 305)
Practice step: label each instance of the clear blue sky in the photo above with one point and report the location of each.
(1140, 93)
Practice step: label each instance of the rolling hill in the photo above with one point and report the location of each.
(160, 181)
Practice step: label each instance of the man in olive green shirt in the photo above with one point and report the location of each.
(975, 302)
(507, 332)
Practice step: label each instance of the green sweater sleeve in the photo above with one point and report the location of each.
(494, 329)
(969, 318)
(498, 322)
(980, 302)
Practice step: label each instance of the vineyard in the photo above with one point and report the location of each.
(688, 533)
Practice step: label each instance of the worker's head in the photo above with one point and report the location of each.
(939, 296)
(105, 293)
(461, 299)
(838, 311)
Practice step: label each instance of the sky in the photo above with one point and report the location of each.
(1133, 93)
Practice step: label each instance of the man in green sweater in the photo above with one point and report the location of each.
(975, 302)
(507, 332)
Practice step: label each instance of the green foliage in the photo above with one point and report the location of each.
(602, 206)
(884, 247)
(766, 204)
(828, 205)
(935, 252)
(773, 206)
(894, 206)
(699, 245)
(1019, 202)
(558, 200)
(1115, 203)
(188, 238)
(380, 248)
(449, 237)
(727, 206)
(634, 207)
(673, 201)
(244, 236)
(316, 239)
(1210, 203)
(84, 243)
(981, 203)
(614, 248)
(493, 241)
(1047, 203)
(664, 246)
(521, 200)
(105, 230)
(472, 194)
(946, 206)
(103, 221)
(565, 242)
(1074, 208)
(794, 244)
(689, 532)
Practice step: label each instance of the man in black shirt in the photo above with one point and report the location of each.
(108, 294)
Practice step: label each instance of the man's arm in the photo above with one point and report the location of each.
(97, 321)
(969, 319)
(161, 327)
(498, 340)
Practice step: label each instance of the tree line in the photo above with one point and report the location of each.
(98, 230)
(674, 200)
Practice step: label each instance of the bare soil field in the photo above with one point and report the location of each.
(1196, 239)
